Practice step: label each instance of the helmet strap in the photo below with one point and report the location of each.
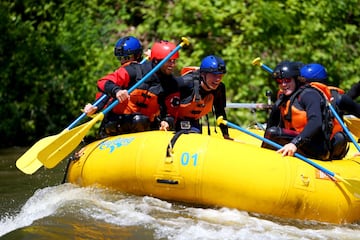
(124, 59)
(203, 79)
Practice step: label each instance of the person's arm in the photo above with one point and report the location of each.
(219, 107)
(345, 103)
(354, 91)
(109, 85)
(114, 82)
(169, 102)
(274, 117)
(275, 114)
(90, 109)
(164, 125)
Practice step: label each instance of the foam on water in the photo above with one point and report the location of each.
(167, 220)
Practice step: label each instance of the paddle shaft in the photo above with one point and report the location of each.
(74, 123)
(257, 61)
(249, 105)
(276, 145)
(266, 68)
(144, 60)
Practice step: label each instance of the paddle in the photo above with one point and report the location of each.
(343, 126)
(351, 187)
(28, 162)
(353, 124)
(257, 62)
(353, 128)
(249, 105)
(65, 142)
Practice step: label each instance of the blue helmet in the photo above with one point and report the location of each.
(213, 64)
(127, 46)
(314, 72)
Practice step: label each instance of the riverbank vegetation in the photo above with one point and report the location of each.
(53, 52)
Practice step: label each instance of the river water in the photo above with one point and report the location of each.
(40, 206)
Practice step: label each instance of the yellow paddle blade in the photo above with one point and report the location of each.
(65, 142)
(29, 167)
(28, 162)
(351, 184)
(353, 125)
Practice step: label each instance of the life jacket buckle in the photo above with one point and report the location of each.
(185, 125)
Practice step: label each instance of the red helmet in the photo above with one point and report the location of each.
(162, 49)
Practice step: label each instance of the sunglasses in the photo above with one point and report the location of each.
(283, 80)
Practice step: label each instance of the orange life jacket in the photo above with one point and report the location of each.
(141, 101)
(330, 93)
(297, 118)
(196, 109)
(188, 69)
(144, 102)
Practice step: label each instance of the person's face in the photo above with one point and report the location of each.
(286, 85)
(212, 80)
(168, 67)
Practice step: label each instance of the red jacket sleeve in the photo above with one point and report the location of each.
(114, 82)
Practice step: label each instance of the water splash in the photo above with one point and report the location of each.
(43, 203)
(163, 219)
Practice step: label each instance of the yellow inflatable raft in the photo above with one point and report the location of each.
(212, 171)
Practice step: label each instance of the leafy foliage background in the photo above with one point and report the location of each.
(53, 52)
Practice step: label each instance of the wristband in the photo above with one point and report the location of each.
(298, 141)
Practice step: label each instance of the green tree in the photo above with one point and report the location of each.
(53, 52)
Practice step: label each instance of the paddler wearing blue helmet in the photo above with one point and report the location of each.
(202, 91)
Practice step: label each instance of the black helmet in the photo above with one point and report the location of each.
(287, 69)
